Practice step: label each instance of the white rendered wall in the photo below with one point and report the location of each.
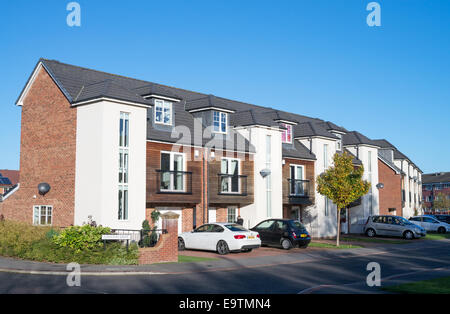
(97, 164)
(256, 212)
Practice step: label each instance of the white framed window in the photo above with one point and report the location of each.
(123, 176)
(231, 214)
(230, 171)
(297, 175)
(172, 172)
(42, 215)
(163, 112)
(286, 136)
(325, 156)
(339, 141)
(220, 122)
(327, 206)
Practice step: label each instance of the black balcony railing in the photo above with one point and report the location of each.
(230, 184)
(174, 182)
(299, 188)
(355, 203)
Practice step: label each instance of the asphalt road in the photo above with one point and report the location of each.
(339, 275)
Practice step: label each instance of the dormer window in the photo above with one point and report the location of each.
(338, 142)
(163, 112)
(286, 136)
(219, 122)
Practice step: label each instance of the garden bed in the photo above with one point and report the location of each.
(35, 243)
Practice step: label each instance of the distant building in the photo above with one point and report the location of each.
(434, 184)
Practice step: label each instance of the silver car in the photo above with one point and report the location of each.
(394, 226)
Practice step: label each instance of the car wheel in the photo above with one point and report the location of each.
(181, 245)
(441, 230)
(408, 235)
(286, 244)
(222, 247)
(370, 233)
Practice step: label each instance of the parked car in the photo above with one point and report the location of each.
(443, 218)
(430, 224)
(394, 226)
(286, 233)
(220, 237)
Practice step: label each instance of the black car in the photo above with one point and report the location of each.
(443, 218)
(286, 233)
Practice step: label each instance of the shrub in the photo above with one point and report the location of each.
(16, 238)
(81, 237)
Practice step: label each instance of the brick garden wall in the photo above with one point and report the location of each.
(47, 154)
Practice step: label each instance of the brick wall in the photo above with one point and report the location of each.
(47, 154)
(391, 195)
(166, 250)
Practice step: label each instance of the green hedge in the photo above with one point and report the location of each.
(75, 244)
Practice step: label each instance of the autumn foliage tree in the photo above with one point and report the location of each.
(342, 184)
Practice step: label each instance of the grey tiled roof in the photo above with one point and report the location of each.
(356, 138)
(397, 154)
(390, 164)
(80, 84)
(308, 129)
(437, 177)
(297, 150)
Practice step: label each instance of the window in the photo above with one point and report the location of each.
(297, 182)
(42, 215)
(327, 206)
(231, 214)
(325, 156)
(220, 122)
(163, 112)
(230, 175)
(286, 136)
(123, 176)
(235, 228)
(172, 175)
(265, 225)
(338, 142)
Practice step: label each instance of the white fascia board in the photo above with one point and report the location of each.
(161, 97)
(211, 108)
(28, 85)
(123, 102)
(259, 126)
(286, 121)
(202, 147)
(314, 137)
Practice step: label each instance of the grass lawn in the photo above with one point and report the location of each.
(373, 240)
(193, 259)
(437, 236)
(433, 286)
(333, 246)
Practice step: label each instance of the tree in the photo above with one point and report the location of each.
(441, 201)
(342, 184)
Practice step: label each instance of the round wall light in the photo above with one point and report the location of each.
(43, 188)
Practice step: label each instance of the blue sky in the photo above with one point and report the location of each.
(318, 58)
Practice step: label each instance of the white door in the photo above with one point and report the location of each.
(344, 221)
(212, 215)
(175, 210)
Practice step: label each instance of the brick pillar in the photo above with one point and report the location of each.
(166, 250)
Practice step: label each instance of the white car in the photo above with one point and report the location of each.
(430, 224)
(220, 237)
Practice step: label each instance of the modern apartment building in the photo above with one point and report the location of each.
(114, 149)
(435, 185)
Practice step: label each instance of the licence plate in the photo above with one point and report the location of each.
(250, 237)
(303, 235)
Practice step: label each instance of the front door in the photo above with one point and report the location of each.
(344, 220)
(295, 213)
(212, 215)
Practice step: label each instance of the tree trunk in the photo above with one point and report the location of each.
(338, 226)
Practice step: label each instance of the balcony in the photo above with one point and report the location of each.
(229, 184)
(299, 192)
(355, 203)
(173, 182)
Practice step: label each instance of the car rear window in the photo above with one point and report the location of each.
(235, 228)
(297, 225)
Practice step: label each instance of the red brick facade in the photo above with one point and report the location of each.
(391, 195)
(47, 154)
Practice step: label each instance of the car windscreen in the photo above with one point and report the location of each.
(297, 225)
(235, 228)
(405, 221)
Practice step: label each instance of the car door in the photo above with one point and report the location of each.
(397, 227)
(430, 224)
(214, 235)
(196, 240)
(416, 221)
(389, 226)
(276, 232)
(382, 226)
(264, 230)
